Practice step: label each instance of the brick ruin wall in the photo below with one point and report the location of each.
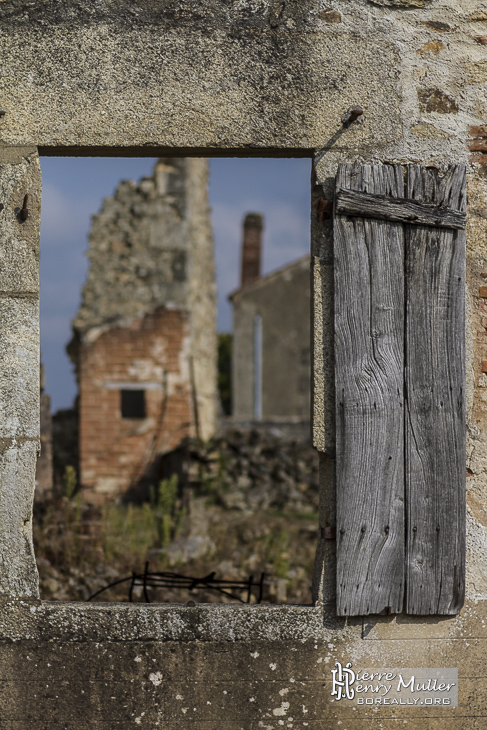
(147, 321)
(253, 77)
(115, 451)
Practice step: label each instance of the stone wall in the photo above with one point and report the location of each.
(281, 302)
(146, 322)
(212, 77)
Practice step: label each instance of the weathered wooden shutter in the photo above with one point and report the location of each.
(399, 246)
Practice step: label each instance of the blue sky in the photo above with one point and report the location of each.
(73, 189)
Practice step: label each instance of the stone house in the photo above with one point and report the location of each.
(271, 338)
(145, 335)
(388, 98)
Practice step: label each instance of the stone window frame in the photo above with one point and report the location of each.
(19, 577)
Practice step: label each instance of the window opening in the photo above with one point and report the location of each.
(132, 403)
(233, 503)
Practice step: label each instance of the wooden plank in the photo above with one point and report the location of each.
(369, 339)
(385, 207)
(435, 377)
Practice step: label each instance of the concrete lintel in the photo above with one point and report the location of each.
(64, 621)
(115, 84)
(59, 621)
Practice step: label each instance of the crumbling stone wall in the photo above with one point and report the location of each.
(146, 322)
(44, 467)
(20, 359)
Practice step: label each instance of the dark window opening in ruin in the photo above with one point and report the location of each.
(132, 403)
(184, 443)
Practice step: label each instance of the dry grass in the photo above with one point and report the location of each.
(81, 548)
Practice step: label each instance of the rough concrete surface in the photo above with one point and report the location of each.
(109, 666)
(249, 74)
(19, 366)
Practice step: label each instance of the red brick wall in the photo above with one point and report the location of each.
(114, 450)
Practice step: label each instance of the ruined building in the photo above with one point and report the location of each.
(144, 342)
(44, 474)
(271, 338)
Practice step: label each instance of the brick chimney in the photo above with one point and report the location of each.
(251, 248)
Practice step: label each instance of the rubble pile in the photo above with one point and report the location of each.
(252, 470)
(249, 506)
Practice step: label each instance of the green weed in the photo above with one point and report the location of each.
(128, 532)
(168, 512)
(277, 553)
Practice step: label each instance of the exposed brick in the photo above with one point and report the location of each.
(478, 145)
(478, 131)
(109, 444)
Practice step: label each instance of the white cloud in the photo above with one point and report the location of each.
(64, 217)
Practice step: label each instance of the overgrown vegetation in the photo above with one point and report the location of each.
(167, 511)
(81, 547)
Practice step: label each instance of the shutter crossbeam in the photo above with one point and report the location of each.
(401, 210)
